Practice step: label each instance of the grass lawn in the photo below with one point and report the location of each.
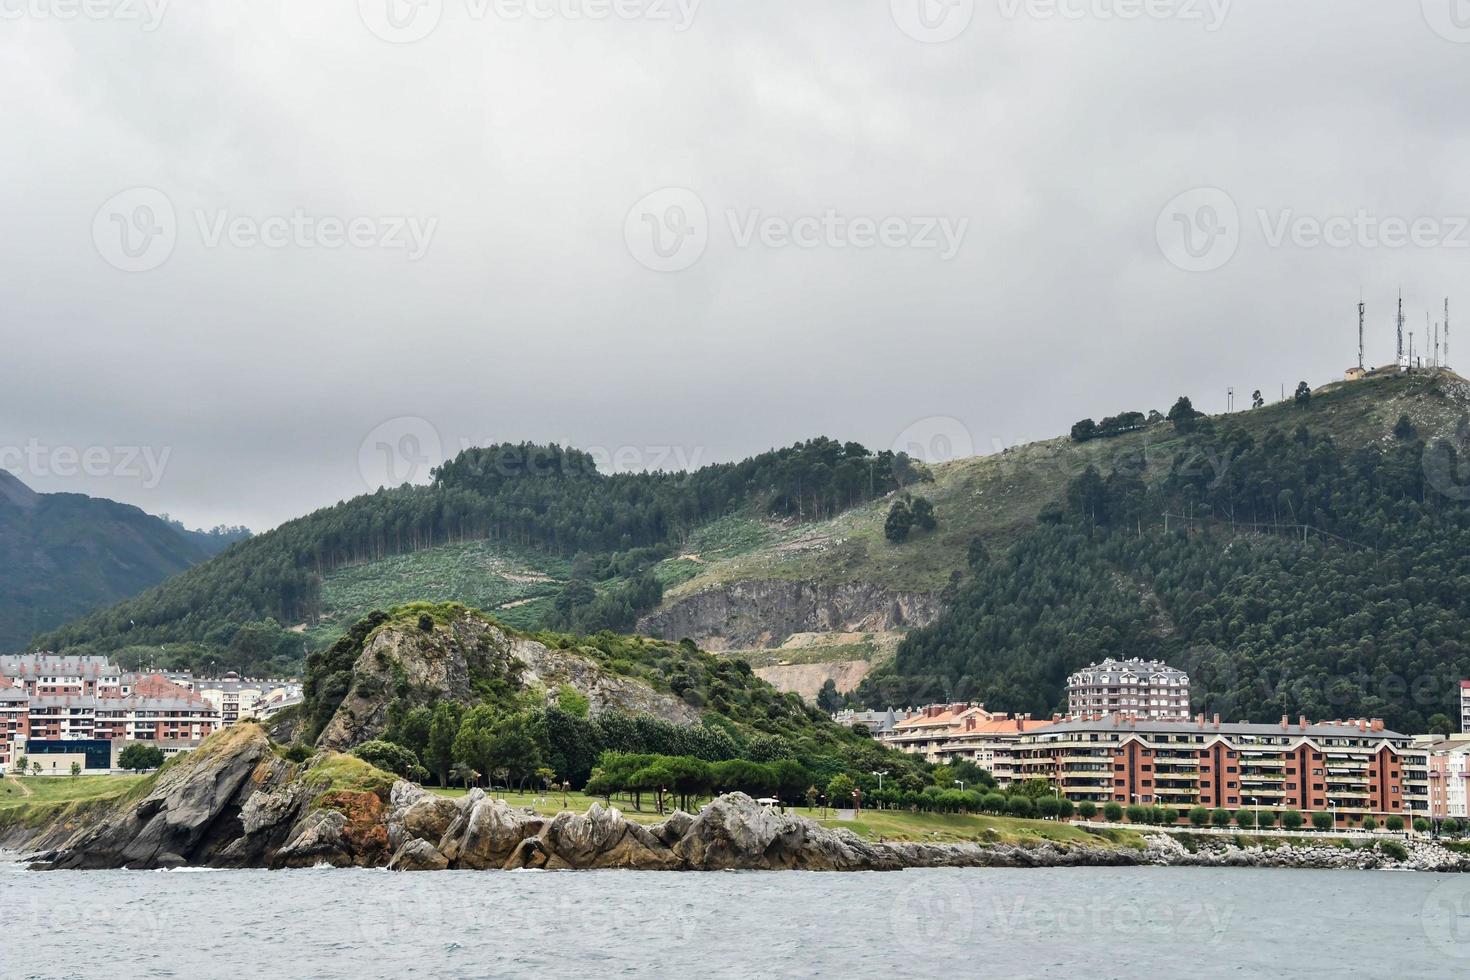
(50, 793)
(893, 825)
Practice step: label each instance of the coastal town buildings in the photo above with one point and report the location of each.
(1350, 769)
(1465, 707)
(1146, 688)
(945, 733)
(60, 706)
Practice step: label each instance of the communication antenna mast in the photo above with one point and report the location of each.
(1400, 354)
(1447, 330)
(1230, 400)
(1362, 318)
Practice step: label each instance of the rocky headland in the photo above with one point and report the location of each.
(236, 803)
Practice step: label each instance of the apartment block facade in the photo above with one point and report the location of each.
(1351, 770)
(53, 700)
(1146, 688)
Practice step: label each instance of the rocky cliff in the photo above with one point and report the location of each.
(448, 661)
(763, 614)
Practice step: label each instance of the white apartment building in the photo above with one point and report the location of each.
(1149, 689)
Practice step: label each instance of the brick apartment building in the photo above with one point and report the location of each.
(49, 700)
(1351, 769)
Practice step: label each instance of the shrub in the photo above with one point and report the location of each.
(1087, 809)
(1049, 807)
(1199, 816)
(1068, 809)
(387, 757)
(1220, 818)
(1451, 827)
(1292, 820)
(1112, 813)
(298, 753)
(1322, 821)
(1369, 824)
(1420, 824)
(1137, 814)
(138, 757)
(1394, 849)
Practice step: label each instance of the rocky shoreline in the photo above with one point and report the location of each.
(237, 804)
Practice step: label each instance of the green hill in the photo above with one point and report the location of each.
(63, 555)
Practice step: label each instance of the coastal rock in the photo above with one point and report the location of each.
(192, 812)
(318, 837)
(600, 838)
(417, 855)
(415, 813)
(735, 832)
(485, 832)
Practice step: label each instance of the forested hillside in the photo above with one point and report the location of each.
(64, 554)
(1287, 572)
(611, 528)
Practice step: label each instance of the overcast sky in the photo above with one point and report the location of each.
(255, 253)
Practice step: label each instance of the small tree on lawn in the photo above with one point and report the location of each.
(1369, 824)
(1112, 813)
(1322, 820)
(1067, 810)
(1220, 818)
(1199, 816)
(1137, 814)
(139, 757)
(76, 769)
(1087, 809)
(1292, 820)
(1420, 824)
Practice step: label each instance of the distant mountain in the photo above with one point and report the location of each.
(63, 555)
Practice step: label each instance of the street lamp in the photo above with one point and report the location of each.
(880, 776)
(1257, 804)
(961, 784)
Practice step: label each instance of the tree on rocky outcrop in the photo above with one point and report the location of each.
(1404, 429)
(1257, 399)
(1303, 395)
